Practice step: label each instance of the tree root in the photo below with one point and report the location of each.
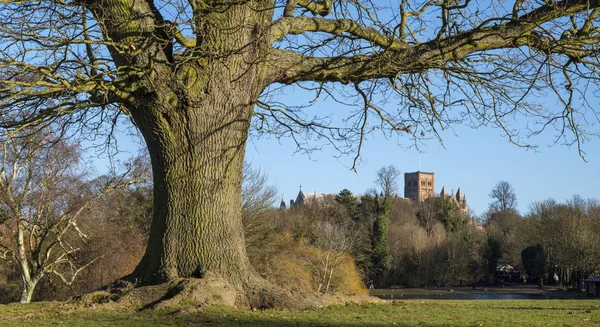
(257, 293)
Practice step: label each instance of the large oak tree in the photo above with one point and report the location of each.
(192, 74)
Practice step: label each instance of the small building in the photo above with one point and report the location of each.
(504, 268)
(592, 286)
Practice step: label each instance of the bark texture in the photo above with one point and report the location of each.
(194, 114)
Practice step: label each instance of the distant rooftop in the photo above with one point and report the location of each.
(422, 172)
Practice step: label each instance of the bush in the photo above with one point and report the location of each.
(296, 266)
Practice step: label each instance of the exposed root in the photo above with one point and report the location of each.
(215, 290)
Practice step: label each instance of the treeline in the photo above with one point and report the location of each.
(555, 243)
(392, 241)
(396, 242)
(65, 231)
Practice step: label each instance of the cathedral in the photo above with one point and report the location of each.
(420, 186)
(305, 198)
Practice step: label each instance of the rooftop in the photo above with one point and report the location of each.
(419, 172)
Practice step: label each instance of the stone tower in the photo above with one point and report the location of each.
(419, 185)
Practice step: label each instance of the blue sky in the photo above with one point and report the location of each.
(473, 159)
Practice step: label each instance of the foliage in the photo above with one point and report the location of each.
(380, 255)
(198, 79)
(258, 198)
(297, 265)
(304, 249)
(44, 193)
(509, 225)
(349, 201)
(534, 262)
(449, 214)
(568, 234)
(492, 252)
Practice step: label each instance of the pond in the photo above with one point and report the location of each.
(480, 296)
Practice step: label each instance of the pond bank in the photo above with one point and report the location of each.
(525, 292)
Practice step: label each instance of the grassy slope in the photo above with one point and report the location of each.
(401, 313)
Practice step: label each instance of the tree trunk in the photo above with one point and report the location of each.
(197, 162)
(194, 111)
(197, 154)
(28, 289)
(29, 278)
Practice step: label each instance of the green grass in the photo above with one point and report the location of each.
(400, 313)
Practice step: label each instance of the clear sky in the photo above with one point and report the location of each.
(473, 159)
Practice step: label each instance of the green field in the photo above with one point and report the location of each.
(400, 313)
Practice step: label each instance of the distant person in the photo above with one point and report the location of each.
(435, 283)
(371, 285)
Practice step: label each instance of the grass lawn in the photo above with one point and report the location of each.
(400, 313)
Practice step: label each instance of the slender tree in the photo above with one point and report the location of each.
(387, 179)
(192, 74)
(503, 197)
(381, 260)
(43, 193)
(258, 196)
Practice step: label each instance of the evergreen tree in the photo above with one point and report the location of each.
(449, 214)
(348, 200)
(492, 253)
(534, 262)
(380, 258)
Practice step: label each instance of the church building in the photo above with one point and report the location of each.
(420, 186)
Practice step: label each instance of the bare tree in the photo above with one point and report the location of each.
(335, 242)
(43, 193)
(387, 179)
(192, 75)
(503, 197)
(258, 196)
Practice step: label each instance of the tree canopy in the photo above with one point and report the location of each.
(503, 197)
(488, 62)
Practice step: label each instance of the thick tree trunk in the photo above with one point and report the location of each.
(197, 156)
(194, 112)
(197, 160)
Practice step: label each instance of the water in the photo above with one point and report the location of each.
(478, 296)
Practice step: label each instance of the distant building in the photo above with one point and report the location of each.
(306, 198)
(592, 286)
(282, 203)
(420, 186)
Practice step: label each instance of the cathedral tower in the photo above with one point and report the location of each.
(419, 185)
